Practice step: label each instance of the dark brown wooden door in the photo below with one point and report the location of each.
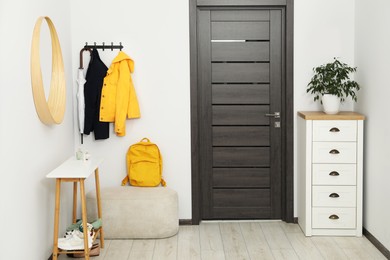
(240, 68)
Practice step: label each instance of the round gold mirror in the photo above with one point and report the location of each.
(51, 111)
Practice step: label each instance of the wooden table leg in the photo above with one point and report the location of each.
(99, 205)
(74, 202)
(84, 218)
(56, 218)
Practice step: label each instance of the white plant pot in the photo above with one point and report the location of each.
(331, 104)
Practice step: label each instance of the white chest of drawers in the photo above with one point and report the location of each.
(330, 173)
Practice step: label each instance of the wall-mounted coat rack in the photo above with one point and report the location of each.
(103, 46)
(81, 79)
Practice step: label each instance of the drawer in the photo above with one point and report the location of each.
(334, 130)
(334, 174)
(334, 152)
(334, 218)
(334, 196)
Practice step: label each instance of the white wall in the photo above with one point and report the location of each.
(29, 149)
(156, 37)
(322, 30)
(372, 58)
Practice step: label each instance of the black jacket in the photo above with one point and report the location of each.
(96, 72)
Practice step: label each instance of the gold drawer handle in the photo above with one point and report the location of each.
(334, 173)
(333, 217)
(334, 195)
(334, 151)
(334, 130)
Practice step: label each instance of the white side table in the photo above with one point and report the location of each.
(75, 171)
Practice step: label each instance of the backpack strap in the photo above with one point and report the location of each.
(125, 180)
(163, 182)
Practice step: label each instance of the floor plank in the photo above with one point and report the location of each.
(374, 252)
(358, 248)
(211, 241)
(233, 241)
(328, 248)
(303, 246)
(256, 243)
(142, 249)
(188, 243)
(210, 237)
(103, 251)
(276, 238)
(290, 227)
(143, 245)
(285, 254)
(119, 250)
(212, 255)
(140, 255)
(165, 249)
(239, 240)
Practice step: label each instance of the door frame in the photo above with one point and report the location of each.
(287, 104)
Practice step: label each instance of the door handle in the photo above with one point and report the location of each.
(275, 115)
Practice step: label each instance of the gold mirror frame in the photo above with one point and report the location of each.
(51, 111)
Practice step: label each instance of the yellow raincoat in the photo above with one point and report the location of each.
(119, 99)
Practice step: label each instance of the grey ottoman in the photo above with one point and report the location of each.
(136, 212)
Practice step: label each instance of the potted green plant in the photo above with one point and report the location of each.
(331, 82)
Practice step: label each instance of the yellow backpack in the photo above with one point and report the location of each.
(144, 165)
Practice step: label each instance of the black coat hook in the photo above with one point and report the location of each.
(103, 46)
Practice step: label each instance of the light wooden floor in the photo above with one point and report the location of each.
(240, 240)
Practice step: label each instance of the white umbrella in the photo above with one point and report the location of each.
(81, 103)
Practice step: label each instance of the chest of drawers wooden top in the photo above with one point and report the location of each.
(330, 160)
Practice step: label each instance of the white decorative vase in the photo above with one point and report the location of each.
(331, 104)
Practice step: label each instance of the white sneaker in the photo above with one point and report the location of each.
(69, 234)
(74, 241)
